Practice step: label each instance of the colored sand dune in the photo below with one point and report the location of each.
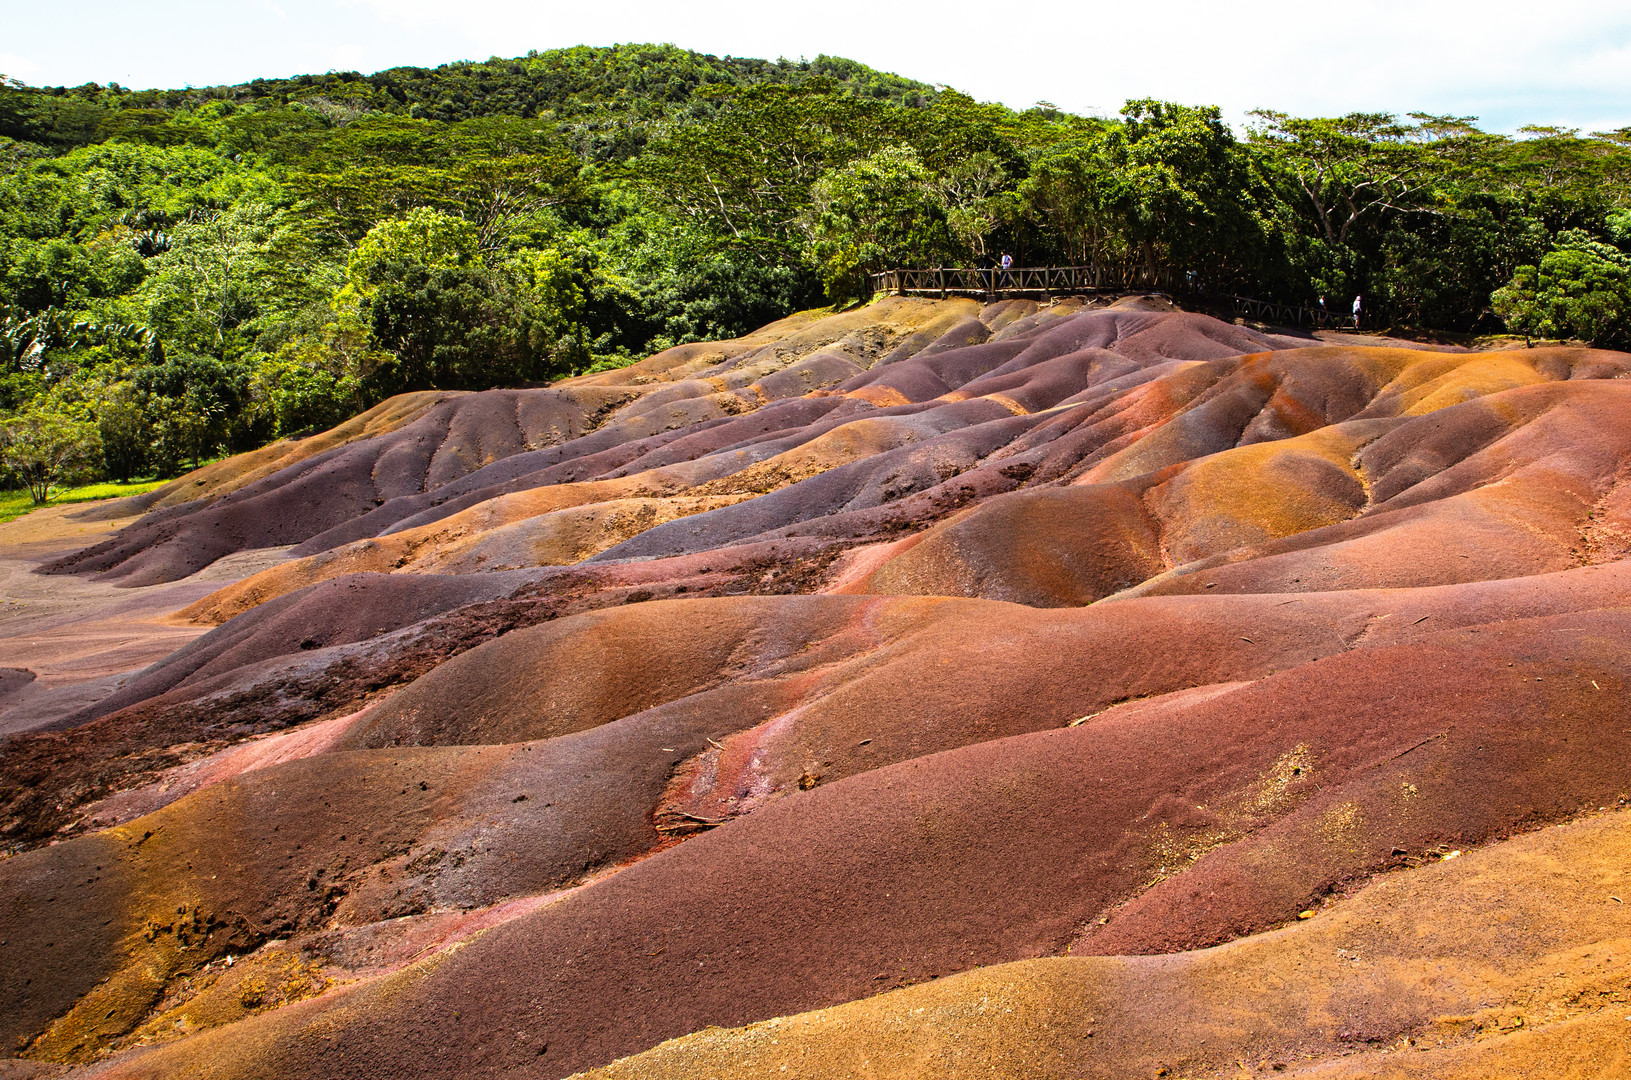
(930, 689)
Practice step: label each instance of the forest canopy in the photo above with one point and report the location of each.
(189, 272)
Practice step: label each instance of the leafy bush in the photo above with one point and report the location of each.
(875, 213)
(44, 449)
(125, 433)
(1581, 289)
(298, 397)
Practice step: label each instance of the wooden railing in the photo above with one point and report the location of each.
(1044, 281)
(1047, 282)
(1267, 311)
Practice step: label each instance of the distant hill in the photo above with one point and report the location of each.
(608, 88)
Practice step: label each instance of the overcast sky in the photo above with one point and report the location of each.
(1565, 62)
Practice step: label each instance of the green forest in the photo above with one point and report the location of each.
(185, 273)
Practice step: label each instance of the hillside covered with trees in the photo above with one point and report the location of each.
(187, 272)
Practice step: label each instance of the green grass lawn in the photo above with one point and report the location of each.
(16, 503)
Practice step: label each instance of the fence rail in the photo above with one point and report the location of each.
(1268, 311)
(1048, 282)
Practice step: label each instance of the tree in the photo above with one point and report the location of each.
(1357, 167)
(453, 318)
(43, 448)
(431, 238)
(1075, 188)
(191, 402)
(497, 173)
(877, 212)
(1581, 289)
(219, 274)
(316, 380)
(549, 305)
(121, 424)
(1185, 189)
(660, 281)
(971, 192)
(448, 327)
(747, 175)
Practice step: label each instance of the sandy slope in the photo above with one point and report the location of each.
(953, 680)
(1513, 961)
(72, 641)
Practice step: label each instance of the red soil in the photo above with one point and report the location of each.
(1009, 633)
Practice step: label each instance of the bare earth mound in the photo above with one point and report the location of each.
(926, 689)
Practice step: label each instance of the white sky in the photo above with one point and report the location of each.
(1564, 62)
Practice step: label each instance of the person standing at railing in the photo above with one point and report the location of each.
(1357, 306)
(1007, 265)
